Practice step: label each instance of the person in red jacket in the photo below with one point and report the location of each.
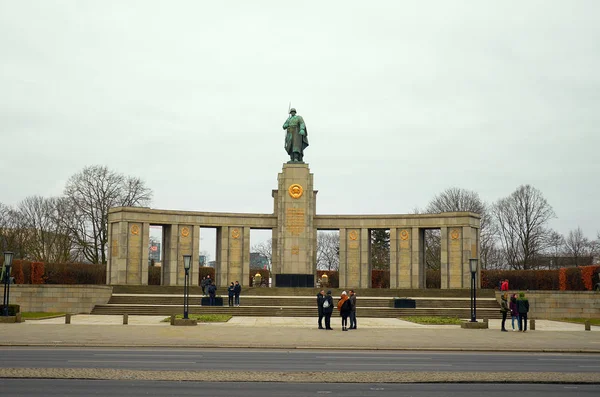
(504, 285)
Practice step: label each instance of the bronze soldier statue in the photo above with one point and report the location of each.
(296, 139)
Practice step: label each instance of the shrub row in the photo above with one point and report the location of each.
(26, 272)
(563, 279)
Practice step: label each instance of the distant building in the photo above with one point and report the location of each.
(154, 252)
(258, 261)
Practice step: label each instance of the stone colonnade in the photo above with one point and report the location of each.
(294, 224)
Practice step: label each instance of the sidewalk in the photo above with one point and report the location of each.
(297, 333)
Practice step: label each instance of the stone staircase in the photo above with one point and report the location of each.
(297, 302)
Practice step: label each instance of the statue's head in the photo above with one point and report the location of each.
(293, 111)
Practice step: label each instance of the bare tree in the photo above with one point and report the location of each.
(91, 193)
(328, 250)
(49, 239)
(555, 248)
(521, 220)
(461, 200)
(578, 247)
(265, 249)
(13, 235)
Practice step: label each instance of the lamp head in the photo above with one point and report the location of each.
(8, 258)
(187, 261)
(473, 265)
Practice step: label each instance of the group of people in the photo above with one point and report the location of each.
(346, 306)
(234, 291)
(518, 309)
(209, 288)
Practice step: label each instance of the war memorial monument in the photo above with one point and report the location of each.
(294, 224)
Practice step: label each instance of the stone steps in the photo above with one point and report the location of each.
(362, 292)
(289, 311)
(145, 299)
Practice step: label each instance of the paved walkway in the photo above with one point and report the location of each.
(297, 322)
(296, 333)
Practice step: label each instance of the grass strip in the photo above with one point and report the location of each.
(40, 315)
(203, 318)
(432, 320)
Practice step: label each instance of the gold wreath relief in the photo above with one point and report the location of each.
(295, 191)
(295, 250)
(454, 234)
(135, 229)
(185, 232)
(404, 235)
(235, 233)
(353, 235)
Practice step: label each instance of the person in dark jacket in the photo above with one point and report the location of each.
(345, 307)
(353, 310)
(320, 300)
(523, 308)
(237, 291)
(203, 285)
(212, 293)
(328, 309)
(514, 312)
(504, 309)
(230, 293)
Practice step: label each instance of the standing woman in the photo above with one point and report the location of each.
(504, 309)
(345, 307)
(230, 292)
(514, 312)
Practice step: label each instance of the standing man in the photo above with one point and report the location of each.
(212, 292)
(353, 312)
(236, 290)
(328, 309)
(203, 285)
(320, 300)
(523, 307)
(296, 139)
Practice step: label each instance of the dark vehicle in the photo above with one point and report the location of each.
(596, 280)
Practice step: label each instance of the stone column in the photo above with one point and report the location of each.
(394, 270)
(221, 270)
(184, 238)
(404, 258)
(295, 210)
(274, 256)
(134, 253)
(469, 250)
(116, 269)
(365, 258)
(343, 257)
(444, 270)
(455, 262)
(418, 268)
(195, 256)
(169, 272)
(145, 253)
(351, 260)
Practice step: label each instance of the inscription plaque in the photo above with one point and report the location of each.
(294, 220)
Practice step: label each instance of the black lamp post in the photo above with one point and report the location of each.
(187, 261)
(8, 257)
(473, 268)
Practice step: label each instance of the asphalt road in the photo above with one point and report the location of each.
(68, 388)
(281, 360)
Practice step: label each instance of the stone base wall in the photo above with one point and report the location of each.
(59, 298)
(560, 304)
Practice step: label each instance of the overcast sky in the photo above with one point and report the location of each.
(401, 99)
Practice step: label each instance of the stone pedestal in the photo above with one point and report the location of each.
(296, 239)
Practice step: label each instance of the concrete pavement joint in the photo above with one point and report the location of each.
(301, 377)
(294, 347)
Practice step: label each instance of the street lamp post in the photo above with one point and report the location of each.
(473, 268)
(8, 257)
(187, 261)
